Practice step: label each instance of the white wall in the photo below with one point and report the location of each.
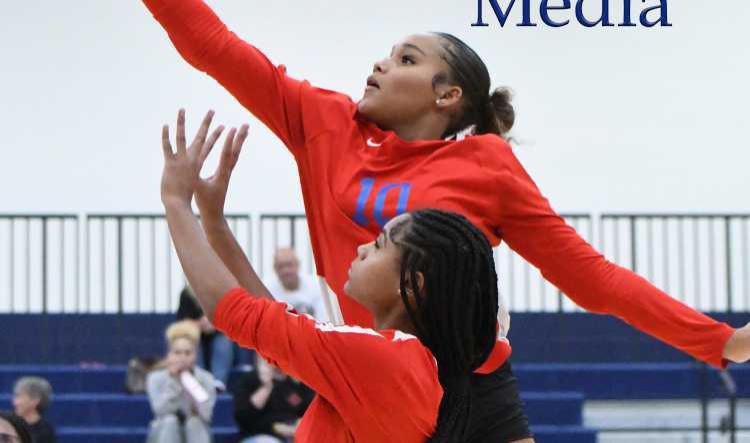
(611, 119)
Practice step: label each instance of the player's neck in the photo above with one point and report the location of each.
(395, 320)
(428, 127)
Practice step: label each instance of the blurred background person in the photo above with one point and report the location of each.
(32, 397)
(13, 429)
(182, 396)
(268, 404)
(215, 352)
(300, 290)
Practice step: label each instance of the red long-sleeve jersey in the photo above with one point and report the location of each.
(374, 387)
(355, 177)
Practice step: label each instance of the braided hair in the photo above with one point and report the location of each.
(489, 112)
(454, 312)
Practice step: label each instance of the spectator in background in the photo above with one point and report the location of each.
(302, 291)
(13, 429)
(216, 352)
(182, 396)
(31, 398)
(268, 404)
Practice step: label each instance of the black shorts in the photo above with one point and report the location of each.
(496, 410)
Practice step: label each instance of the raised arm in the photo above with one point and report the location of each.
(531, 228)
(206, 43)
(204, 270)
(210, 195)
(336, 362)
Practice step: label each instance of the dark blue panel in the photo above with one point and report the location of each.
(115, 410)
(114, 339)
(563, 434)
(578, 338)
(128, 435)
(553, 408)
(76, 338)
(630, 380)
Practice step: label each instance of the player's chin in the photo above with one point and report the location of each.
(350, 289)
(368, 107)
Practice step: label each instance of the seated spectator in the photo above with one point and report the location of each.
(182, 396)
(268, 405)
(216, 352)
(31, 398)
(302, 291)
(13, 429)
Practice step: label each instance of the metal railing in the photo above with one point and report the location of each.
(700, 259)
(132, 257)
(522, 286)
(126, 263)
(93, 263)
(41, 258)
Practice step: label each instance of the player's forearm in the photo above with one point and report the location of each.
(223, 242)
(532, 229)
(205, 272)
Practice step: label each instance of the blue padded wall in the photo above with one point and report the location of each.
(113, 338)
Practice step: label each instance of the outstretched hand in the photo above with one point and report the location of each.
(211, 192)
(182, 167)
(737, 348)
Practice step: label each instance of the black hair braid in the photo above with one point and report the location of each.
(455, 310)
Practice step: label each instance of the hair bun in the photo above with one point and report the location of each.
(500, 100)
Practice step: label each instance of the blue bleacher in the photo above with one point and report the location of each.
(560, 360)
(100, 416)
(105, 410)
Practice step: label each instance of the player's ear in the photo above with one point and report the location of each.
(420, 284)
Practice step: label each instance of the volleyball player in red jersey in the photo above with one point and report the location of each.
(428, 279)
(395, 150)
(362, 163)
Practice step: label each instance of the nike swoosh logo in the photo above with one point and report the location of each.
(372, 144)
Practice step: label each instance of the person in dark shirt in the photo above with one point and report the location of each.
(268, 404)
(31, 398)
(13, 428)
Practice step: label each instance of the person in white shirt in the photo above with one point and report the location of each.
(302, 291)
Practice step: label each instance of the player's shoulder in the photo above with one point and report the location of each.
(488, 151)
(488, 143)
(329, 99)
(413, 352)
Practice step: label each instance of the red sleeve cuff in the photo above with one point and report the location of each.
(499, 355)
(224, 308)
